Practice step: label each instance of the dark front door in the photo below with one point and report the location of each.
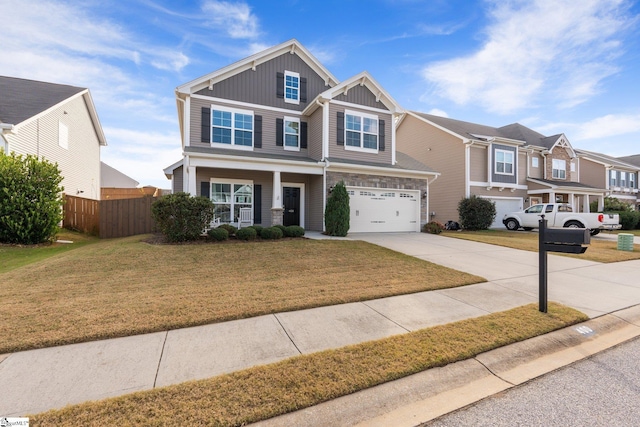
(291, 206)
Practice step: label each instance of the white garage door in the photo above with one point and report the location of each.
(383, 210)
(504, 206)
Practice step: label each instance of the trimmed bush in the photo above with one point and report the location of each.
(181, 217)
(294, 231)
(247, 233)
(476, 213)
(30, 199)
(629, 219)
(271, 233)
(230, 229)
(218, 234)
(258, 228)
(433, 227)
(337, 213)
(281, 227)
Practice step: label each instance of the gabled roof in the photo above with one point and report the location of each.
(634, 159)
(22, 100)
(292, 46)
(113, 178)
(609, 160)
(361, 79)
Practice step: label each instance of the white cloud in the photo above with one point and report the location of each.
(608, 126)
(437, 112)
(557, 47)
(234, 18)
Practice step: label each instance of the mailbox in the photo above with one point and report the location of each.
(566, 240)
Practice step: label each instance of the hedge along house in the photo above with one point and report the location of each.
(276, 131)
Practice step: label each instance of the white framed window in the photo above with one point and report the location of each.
(632, 180)
(361, 131)
(613, 178)
(573, 167)
(623, 179)
(63, 135)
(504, 162)
(231, 128)
(534, 162)
(291, 133)
(291, 87)
(228, 196)
(559, 168)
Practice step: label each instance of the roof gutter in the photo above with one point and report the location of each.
(6, 127)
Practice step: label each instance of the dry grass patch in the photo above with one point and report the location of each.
(124, 287)
(600, 250)
(263, 392)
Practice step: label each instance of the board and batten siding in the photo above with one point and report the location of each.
(339, 152)
(268, 129)
(259, 86)
(443, 153)
(79, 163)
(361, 95)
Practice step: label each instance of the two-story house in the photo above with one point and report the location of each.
(618, 176)
(513, 166)
(57, 122)
(276, 131)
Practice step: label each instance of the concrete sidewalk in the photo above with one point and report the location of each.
(49, 378)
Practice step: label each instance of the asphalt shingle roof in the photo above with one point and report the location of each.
(21, 99)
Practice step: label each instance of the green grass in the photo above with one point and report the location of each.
(16, 256)
(263, 392)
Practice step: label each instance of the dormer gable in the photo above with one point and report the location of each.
(559, 142)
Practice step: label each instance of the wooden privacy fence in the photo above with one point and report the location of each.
(109, 218)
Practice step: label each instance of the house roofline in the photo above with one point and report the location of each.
(464, 139)
(334, 166)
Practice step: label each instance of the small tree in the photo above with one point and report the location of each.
(336, 214)
(181, 217)
(476, 213)
(30, 199)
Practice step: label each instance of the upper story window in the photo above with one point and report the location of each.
(559, 168)
(623, 179)
(291, 134)
(291, 87)
(361, 131)
(632, 180)
(534, 162)
(504, 162)
(63, 135)
(231, 128)
(613, 178)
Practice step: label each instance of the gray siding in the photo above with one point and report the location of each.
(507, 179)
(316, 203)
(178, 180)
(339, 152)
(259, 87)
(361, 95)
(315, 134)
(80, 162)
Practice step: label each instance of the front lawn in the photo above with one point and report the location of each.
(122, 287)
(599, 250)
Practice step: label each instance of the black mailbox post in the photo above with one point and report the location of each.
(565, 240)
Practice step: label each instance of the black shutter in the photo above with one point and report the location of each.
(303, 134)
(204, 189)
(257, 204)
(257, 129)
(340, 130)
(279, 131)
(280, 85)
(303, 89)
(381, 135)
(205, 134)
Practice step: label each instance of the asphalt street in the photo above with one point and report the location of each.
(603, 390)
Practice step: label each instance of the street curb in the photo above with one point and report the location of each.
(427, 395)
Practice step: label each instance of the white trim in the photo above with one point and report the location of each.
(301, 186)
(325, 131)
(284, 133)
(361, 147)
(500, 184)
(297, 76)
(348, 167)
(362, 107)
(399, 190)
(255, 164)
(442, 128)
(393, 139)
(219, 101)
(187, 121)
(231, 203)
(555, 169)
(363, 79)
(495, 162)
(537, 163)
(233, 111)
(467, 170)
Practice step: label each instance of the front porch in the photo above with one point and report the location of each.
(578, 195)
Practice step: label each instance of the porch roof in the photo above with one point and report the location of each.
(566, 185)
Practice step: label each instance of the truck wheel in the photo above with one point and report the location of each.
(573, 224)
(594, 232)
(512, 224)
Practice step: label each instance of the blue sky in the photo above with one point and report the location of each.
(557, 66)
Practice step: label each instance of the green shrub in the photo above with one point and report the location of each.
(433, 227)
(30, 199)
(271, 233)
(258, 228)
(181, 217)
(294, 231)
(336, 214)
(218, 234)
(247, 233)
(629, 219)
(230, 229)
(281, 227)
(476, 213)
(613, 204)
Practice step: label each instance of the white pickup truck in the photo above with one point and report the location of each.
(560, 215)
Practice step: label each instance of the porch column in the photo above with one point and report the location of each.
(600, 203)
(276, 206)
(572, 201)
(552, 197)
(585, 203)
(192, 181)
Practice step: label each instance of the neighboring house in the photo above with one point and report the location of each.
(57, 122)
(113, 178)
(513, 166)
(275, 132)
(635, 161)
(620, 177)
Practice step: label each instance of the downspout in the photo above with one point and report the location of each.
(467, 167)
(428, 197)
(324, 191)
